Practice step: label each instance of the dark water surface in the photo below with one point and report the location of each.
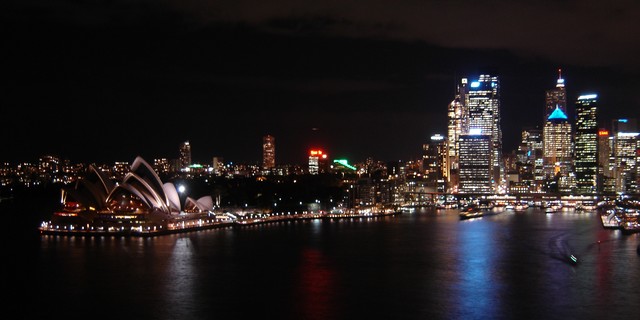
(422, 265)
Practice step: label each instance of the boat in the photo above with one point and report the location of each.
(624, 217)
(583, 207)
(519, 207)
(610, 220)
(573, 259)
(630, 225)
(473, 211)
(550, 208)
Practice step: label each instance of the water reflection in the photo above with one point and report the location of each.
(477, 289)
(181, 278)
(422, 265)
(315, 296)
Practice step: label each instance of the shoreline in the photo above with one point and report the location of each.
(44, 230)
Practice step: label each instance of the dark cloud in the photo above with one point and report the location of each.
(374, 76)
(591, 32)
(583, 32)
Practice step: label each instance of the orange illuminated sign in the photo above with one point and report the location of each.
(317, 153)
(603, 133)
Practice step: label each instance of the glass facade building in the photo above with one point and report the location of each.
(586, 144)
(475, 164)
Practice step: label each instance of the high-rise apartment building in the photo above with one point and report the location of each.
(586, 144)
(185, 155)
(268, 152)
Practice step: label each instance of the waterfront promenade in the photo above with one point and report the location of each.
(204, 221)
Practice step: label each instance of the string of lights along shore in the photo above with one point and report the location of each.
(581, 155)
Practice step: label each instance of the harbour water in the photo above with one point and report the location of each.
(422, 265)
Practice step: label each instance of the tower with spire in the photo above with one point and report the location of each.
(556, 97)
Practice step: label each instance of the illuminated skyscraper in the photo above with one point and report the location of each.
(457, 115)
(483, 113)
(530, 157)
(556, 98)
(557, 149)
(586, 144)
(318, 161)
(185, 155)
(625, 152)
(434, 162)
(475, 163)
(606, 183)
(268, 152)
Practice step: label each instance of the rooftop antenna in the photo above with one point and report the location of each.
(560, 82)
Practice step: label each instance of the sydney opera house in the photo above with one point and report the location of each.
(139, 204)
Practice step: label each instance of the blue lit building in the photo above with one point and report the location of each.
(557, 150)
(555, 98)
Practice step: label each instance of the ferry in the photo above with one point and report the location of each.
(473, 211)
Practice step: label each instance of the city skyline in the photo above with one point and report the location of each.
(94, 83)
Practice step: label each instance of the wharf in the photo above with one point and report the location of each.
(188, 225)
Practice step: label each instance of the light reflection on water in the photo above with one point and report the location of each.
(478, 284)
(425, 264)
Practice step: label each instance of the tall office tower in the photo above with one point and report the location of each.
(586, 144)
(531, 144)
(268, 152)
(457, 114)
(557, 149)
(475, 163)
(317, 161)
(623, 163)
(532, 156)
(555, 98)
(434, 161)
(185, 155)
(605, 172)
(483, 113)
(626, 148)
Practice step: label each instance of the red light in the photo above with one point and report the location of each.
(316, 152)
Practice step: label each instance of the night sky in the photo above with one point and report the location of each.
(103, 81)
